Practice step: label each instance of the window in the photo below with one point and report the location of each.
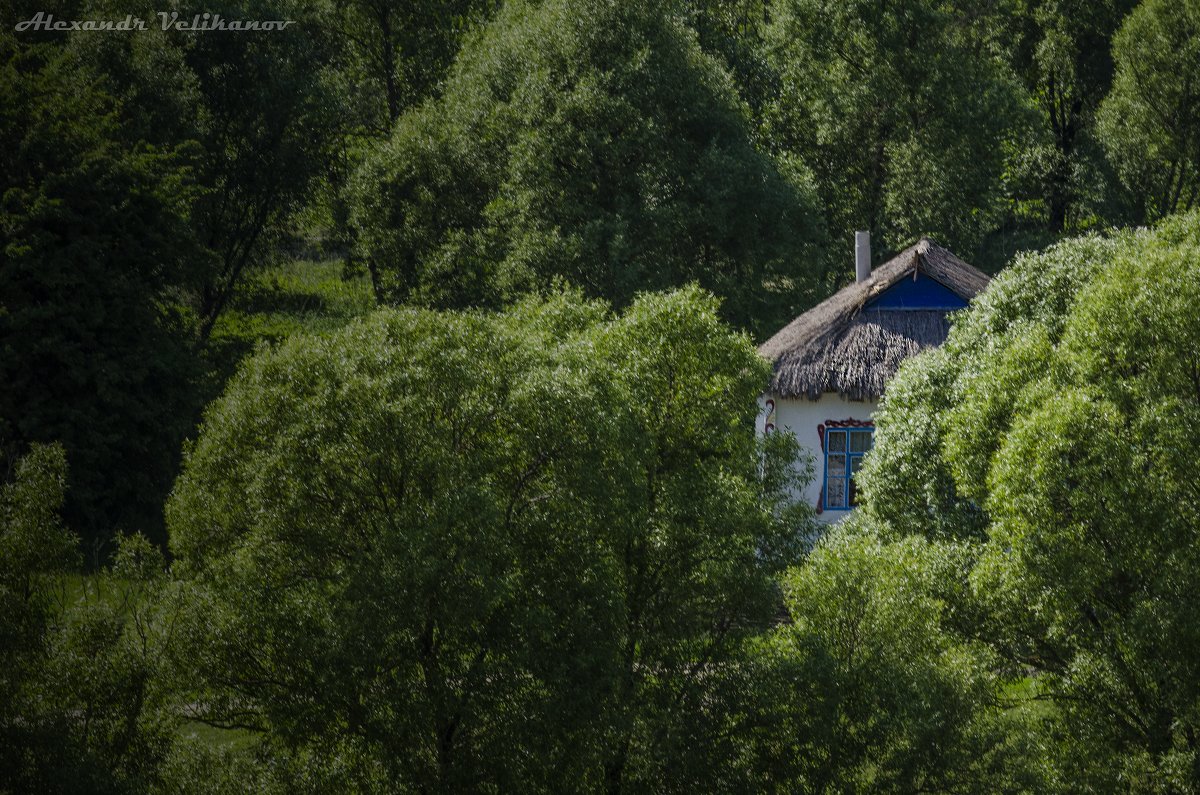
(844, 450)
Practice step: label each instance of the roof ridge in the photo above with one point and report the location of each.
(816, 332)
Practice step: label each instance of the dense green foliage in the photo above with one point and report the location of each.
(1061, 52)
(502, 148)
(131, 214)
(1054, 436)
(905, 704)
(1151, 120)
(397, 53)
(515, 531)
(95, 241)
(904, 110)
(593, 142)
(472, 551)
(79, 672)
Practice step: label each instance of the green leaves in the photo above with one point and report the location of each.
(79, 659)
(593, 143)
(142, 176)
(900, 112)
(904, 691)
(1062, 412)
(34, 543)
(97, 248)
(1150, 120)
(481, 548)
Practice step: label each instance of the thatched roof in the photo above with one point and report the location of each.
(841, 346)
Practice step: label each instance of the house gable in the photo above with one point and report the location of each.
(853, 342)
(830, 365)
(923, 292)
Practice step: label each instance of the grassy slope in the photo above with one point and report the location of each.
(300, 295)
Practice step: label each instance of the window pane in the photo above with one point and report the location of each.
(837, 441)
(835, 466)
(835, 496)
(855, 465)
(860, 441)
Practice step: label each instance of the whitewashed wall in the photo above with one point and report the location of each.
(801, 418)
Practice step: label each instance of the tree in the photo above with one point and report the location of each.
(873, 690)
(34, 545)
(79, 677)
(733, 32)
(1150, 122)
(1063, 406)
(462, 550)
(591, 142)
(130, 216)
(97, 248)
(267, 124)
(400, 52)
(259, 114)
(917, 488)
(388, 57)
(903, 112)
(1063, 53)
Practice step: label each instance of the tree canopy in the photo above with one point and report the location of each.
(1054, 427)
(1150, 120)
(79, 673)
(481, 506)
(96, 241)
(130, 216)
(472, 550)
(1062, 52)
(591, 142)
(904, 112)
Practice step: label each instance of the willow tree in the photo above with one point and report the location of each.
(590, 142)
(1150, 122)
(903, 110)
(441, 551)
(1052, 435)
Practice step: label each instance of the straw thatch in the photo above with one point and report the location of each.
(839, 346)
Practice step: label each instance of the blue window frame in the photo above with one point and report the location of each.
(844, 451)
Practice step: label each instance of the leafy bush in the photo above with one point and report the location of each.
(464, 550)
(1058, 429)
(80, 677)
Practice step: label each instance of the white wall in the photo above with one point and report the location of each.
(801, 418)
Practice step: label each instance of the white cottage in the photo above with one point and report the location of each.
(832, 363)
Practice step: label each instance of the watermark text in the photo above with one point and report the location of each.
(166, 20)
